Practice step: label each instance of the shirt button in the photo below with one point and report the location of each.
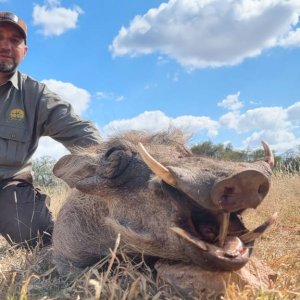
(12, 135)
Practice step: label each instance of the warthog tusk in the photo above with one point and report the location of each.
(185, 235)
(223, 229)
(257, 232)
(269, 157)
(156, 167)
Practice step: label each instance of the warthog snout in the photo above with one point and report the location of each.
(243, 190)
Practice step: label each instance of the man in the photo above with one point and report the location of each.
(28, 110)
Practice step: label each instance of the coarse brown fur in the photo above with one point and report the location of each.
(114, 192)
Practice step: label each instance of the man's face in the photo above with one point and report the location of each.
(12, 47)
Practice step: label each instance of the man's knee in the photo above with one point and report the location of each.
(24, 216)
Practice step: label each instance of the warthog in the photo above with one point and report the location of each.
(163, 200)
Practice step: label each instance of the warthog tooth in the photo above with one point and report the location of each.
(156, 167)
(233, 247)
(185, 235)
(223, 229)
(257, 232)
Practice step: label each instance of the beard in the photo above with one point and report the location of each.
(7, 67)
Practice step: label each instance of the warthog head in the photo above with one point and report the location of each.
(162, 199)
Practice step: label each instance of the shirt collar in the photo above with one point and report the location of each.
(14, 80)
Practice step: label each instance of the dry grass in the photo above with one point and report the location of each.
(280, 246)
(31, 275)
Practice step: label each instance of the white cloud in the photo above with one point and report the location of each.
(120, 98)
(103, 95)
(78, 97)
(293, 112)
(231, 102)
(152, 85)
(49, 147)
(280, 140)
(230, 120)
(278, 126)
(109, 96)
(173, 76)
(194, 124)
(211, 33)
(291, 39)
(55, 19)
(161, 60)
(271, 118)
(155, 121)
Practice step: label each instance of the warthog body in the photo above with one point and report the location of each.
(178, 218)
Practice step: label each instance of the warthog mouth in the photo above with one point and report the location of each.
(223, 238)
(220, 235)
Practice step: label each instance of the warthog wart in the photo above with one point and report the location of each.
(163, 200)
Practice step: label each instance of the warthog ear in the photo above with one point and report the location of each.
(74, 167)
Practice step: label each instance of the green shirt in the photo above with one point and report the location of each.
(29, 110)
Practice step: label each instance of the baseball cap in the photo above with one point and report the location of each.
(9, 17)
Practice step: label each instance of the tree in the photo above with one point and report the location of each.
(226, 152)
(42, 169)
(219, 151)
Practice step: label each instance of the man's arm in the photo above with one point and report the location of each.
(60, 122)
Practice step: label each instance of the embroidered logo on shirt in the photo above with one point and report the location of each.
(17, 114)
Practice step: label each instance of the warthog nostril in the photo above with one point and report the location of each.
(263, 189)
(228, 190)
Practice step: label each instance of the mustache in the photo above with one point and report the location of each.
(4, 52)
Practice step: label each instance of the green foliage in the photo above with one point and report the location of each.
(42, 168)
(219, 151)
(288, 162)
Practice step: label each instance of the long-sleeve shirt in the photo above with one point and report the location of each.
(29, 110)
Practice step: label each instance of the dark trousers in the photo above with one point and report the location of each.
(24, 217)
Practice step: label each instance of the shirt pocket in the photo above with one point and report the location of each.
(14, 143)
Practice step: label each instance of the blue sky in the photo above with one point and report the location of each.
(222, 70)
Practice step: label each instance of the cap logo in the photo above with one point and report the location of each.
(17, 114)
